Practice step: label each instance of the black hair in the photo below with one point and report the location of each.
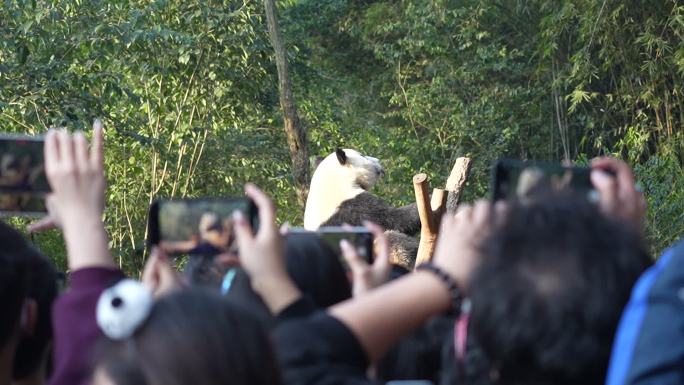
(13, 281)
(549, 292)
(193, 337)
(28, 274)
(312, 264)
(419, 355)
(42, 288)
(316, 269)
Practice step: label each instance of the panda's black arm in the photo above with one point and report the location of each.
(410, 218)
(367, 206)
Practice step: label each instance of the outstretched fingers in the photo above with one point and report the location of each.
(618, 194)
(81, 158)
(266, 208)
(382, 257)
(51, 151)
(356, 264)
(65, 160)
(97, 147)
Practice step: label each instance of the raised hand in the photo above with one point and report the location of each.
(618, 195)
(159, 276)
(461, 236)
(367, 277)
(76, 175)
(67, 158)
(262, 254)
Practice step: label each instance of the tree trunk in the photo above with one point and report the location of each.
(296, 133)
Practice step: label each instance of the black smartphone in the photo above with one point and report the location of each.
(515, 179)
(199, 226)
(22, 165)
(14, 204)
(360, 238)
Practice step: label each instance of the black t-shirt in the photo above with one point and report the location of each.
(316, 348)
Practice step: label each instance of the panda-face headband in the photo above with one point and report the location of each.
(122, 308)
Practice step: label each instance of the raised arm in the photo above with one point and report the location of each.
(262, 254)
(76, 204)
(76, 175)
(381, 317)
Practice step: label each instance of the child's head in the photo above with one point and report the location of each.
(191, 337)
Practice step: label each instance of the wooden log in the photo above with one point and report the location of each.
(420, 187)
(430, 211)
(456, 181)
(438, 207)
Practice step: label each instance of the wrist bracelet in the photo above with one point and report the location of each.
(454, 292)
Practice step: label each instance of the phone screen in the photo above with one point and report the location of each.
(524, 179)
(197, 226)
(22, 166)
(14, 204)
(360, 238)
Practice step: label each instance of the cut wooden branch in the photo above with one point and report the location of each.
(438, 207)
(456, 181)
(430, 211)
(420, 186)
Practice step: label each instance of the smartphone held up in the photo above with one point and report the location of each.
(359, 237)
(199, 226)
(523, 180)
(23, 184)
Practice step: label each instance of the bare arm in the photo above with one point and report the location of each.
(76, 175)
(383, 316)
(380, 317)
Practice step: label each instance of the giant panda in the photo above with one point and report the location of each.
(339, 194)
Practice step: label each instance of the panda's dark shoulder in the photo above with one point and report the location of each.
(364, 199)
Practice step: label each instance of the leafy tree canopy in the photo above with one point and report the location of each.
(188, 92)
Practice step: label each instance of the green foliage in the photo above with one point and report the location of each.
(420, 83)
(188, 92)
(185, 91)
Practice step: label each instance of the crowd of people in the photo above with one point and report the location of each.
(552, 290)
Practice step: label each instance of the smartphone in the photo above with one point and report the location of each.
(22, 165)
(360, 238)
(13, 204)
(515, 179)
(200, 226)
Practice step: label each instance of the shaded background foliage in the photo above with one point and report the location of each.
(188, 92)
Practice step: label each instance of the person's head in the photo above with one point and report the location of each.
(312, 264)
(13, 287)
(28, 286)
(316, 269)
(37, 334)
(191, 337)
(550, 289)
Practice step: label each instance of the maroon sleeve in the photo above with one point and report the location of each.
(75, 327)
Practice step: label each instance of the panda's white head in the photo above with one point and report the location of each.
(342, 175)
(356, 169)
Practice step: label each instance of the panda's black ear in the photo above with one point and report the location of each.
(341, 156)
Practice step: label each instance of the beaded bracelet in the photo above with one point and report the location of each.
(454, 292)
